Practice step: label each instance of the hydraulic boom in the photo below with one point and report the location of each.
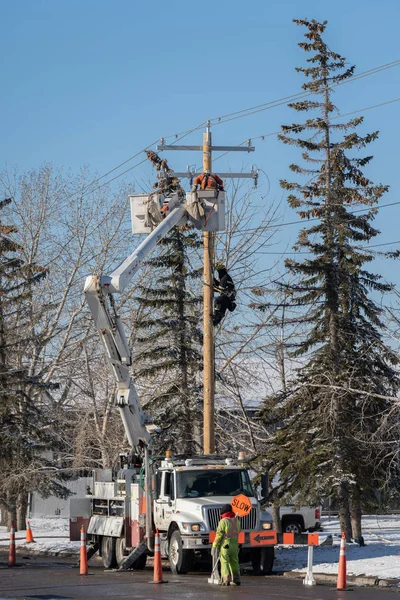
(99, 292)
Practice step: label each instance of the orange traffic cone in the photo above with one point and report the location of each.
(84, 560)
(28, 537)
(11, 552)
(157, 560)
(341, 582)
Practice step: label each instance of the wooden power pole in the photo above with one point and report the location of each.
(208, 335)
(208, 241)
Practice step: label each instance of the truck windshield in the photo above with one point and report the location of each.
(197, 484)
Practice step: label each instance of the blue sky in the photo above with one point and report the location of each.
(91, 82)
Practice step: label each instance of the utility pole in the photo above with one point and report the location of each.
(208, 334)
(208, 274)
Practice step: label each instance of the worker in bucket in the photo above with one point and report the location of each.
(227, 294)
(208, 181)
(226, 543)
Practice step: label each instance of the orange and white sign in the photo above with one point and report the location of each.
(241, 505)
(263, 538)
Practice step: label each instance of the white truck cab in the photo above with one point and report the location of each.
(189, 495)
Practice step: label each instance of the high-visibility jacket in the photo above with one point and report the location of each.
(226, 539)
(227, 532)
(209, 182)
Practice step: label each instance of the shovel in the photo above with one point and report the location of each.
(214, 577)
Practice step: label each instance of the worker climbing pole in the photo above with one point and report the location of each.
(208, 180)
(225, 288)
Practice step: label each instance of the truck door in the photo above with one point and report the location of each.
(165, 503)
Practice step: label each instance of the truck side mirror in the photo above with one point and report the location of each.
(264, 486)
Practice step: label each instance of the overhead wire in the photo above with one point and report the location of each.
(340, 116)
(181, 135)
(313, 219)
(284, 253)
(274, 103)
(335, 117)
(222, 119)
(87, 189)
(184, 134)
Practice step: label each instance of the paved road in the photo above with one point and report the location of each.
(43, 578)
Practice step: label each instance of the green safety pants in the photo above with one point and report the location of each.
(229, 557)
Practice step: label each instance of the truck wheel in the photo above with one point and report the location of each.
(108, 545)
(180, 560)
(262, 560)
(291, 526)
(121, 554)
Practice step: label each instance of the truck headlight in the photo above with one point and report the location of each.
(192, 527)
(266, 525)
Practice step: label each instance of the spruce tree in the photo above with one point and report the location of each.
(168, 338)
(168, 343)
(323, 445)
(27, 430)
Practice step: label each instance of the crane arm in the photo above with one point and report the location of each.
(99, 292)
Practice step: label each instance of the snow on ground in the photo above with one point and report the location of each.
(379, 558)
(50, 535)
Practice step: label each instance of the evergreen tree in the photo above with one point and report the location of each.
(325, 426)
(169, 338)
(169, 343)
(27, 431)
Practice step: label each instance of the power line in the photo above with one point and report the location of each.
(311, 252)
(274, 103)
(302, 221)
(184, 134)
(224, 119)
(336, 117)
(265, 135)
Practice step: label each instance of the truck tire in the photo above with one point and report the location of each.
(121, 554)
(108, 557)
(291, 526)
(180, 560)
(262, 560)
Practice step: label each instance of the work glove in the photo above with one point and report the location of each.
(214, 552)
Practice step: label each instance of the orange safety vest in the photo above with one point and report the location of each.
(208, 182)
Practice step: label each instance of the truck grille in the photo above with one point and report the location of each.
(247, 523)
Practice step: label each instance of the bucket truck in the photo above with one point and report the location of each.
(180, 496)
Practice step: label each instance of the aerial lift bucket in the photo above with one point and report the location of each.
(213, 203)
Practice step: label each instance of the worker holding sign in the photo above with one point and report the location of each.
(226, 541)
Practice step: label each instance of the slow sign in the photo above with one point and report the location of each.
(241, 505)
